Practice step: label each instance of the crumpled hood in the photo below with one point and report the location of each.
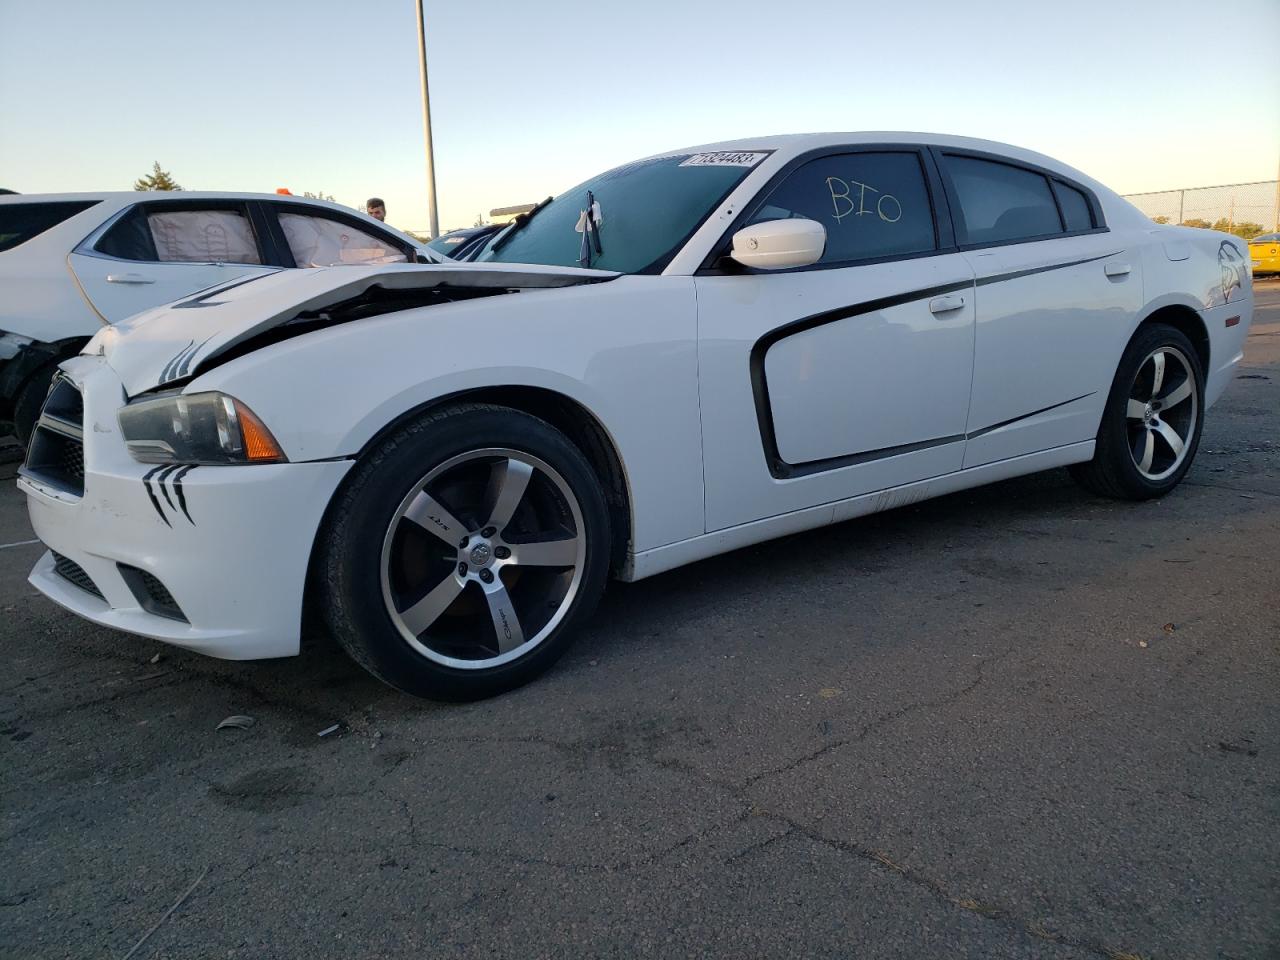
(170, 344)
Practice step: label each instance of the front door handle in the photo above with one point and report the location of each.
(952, 301)
(128, 278)
(1117, 269)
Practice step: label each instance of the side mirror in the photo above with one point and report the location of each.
(778, 244)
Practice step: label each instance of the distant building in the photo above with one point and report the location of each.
(507, 214)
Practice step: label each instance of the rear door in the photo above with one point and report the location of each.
(158, 251)
(1056, 294)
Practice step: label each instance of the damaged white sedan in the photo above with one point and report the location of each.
(682, 356)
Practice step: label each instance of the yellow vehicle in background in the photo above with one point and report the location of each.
(1264, 251)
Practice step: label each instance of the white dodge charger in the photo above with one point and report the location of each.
(681, 356)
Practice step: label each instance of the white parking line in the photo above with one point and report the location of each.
(20, 543)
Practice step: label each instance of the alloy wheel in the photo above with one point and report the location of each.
(483, 558)
(1161, 413)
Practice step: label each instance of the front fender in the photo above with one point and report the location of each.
(626, 351)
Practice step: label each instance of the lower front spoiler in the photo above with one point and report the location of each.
(218, 567)
(224, 644)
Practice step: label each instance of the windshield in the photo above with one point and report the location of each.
(642, 214)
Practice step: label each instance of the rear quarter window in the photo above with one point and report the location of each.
(19, 222)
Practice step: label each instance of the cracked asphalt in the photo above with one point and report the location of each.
(1020, 721)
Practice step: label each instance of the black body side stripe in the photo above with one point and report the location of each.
(165, 474)
(781, 469)
(185, 366)
(176, 370)
(146, 482)
(1018, 274)
(182, 497)
(168, 367)
(1025, 416)
(203, 299)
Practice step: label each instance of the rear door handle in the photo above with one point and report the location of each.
(128, 278)
(1117, 269)
(952, 301)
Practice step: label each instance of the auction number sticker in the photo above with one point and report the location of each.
(724, 160)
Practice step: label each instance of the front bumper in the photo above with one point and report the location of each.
(229, 545)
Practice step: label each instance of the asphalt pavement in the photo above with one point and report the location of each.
(1020, 721)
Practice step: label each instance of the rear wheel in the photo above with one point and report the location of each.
(1150, 429)
(463, 551)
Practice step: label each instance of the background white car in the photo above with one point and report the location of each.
(685, 355)
(71, 262)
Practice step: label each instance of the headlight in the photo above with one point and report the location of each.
(199, 428)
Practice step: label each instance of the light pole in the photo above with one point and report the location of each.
(426, 125)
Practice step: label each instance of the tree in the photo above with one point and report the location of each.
(1160, 219)
(1197, 222)
(158, 180)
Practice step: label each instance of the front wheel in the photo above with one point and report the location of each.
(462, 552)
(1150, 429)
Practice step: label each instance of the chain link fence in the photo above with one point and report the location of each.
(1245, 209)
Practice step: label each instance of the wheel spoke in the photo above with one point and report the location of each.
(1157, 377)
(431, 515)
(1170, 437)
(507, 485)
(427, 610)
(1177, 394)
(1136, 409)
(546, 553)
(1148, 451)
(506, 623)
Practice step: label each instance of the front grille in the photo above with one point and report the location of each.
(152, 595)
(74, 574)
(55, 455)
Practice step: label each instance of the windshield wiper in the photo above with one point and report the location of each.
(519, 223)
(590, 232)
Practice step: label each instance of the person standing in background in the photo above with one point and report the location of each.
(375, 208)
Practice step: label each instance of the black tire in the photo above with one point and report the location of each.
(30, 399)
(1114, 471)
(365, 524)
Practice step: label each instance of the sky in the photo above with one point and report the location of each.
(529, 98)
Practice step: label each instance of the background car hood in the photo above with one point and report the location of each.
(170, 344)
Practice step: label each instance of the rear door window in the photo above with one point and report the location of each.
(318, 241)
(19, 222)
(1000, 202)
(185, 234)
(873, 205)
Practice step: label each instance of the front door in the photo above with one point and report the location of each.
(851, 375)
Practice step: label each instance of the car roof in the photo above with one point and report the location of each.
(137, 196)
(794, 144)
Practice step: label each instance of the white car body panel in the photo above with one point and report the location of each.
(57, 290)
(734, 417)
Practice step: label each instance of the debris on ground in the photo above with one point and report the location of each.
(328, 730)
(168, 913)
(237, 721)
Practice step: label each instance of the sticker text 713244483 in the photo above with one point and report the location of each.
(725, 159)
